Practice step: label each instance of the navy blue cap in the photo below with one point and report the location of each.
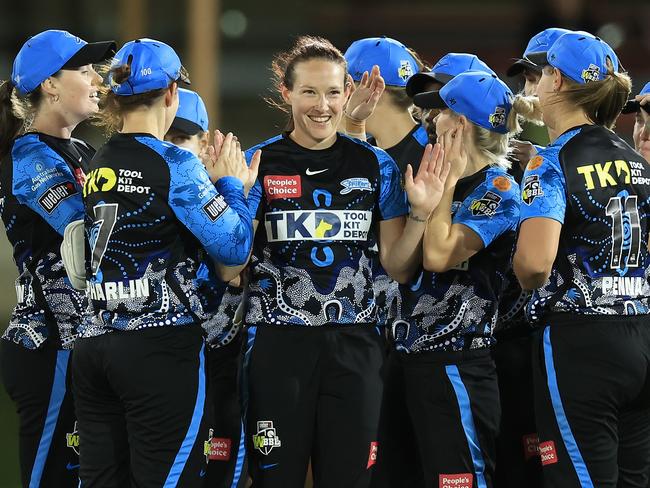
(445, 69)
(480, 96)
(580, 56)
(154, 65)
(395, 61)
(50, 51)
(540, 42)
(633, 106)
(192, 117)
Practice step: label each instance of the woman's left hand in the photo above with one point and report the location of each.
(426, 189)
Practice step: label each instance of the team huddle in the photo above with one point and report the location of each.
(396, 291)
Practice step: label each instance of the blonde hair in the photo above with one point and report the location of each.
(493, 146)
(601, 101)
(115, 107)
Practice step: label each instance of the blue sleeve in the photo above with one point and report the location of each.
(491, 209)
(543, 188)
(43, 181)
(255, 193)
(392, 197)
(216, 214)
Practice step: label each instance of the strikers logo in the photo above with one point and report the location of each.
(498, 118)
(592, 73)
(72, 439)
(531, 189)
(405, 70)
(361, 184)
(266, 438)
(487, 205)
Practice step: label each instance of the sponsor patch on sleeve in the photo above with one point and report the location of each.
(215, 207)
(531, 189)
(54, 195)
(487, 205)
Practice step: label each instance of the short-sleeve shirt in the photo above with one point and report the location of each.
(598, 188)
(40, 194)
(152, 217)
(457, 310)
(318, 212)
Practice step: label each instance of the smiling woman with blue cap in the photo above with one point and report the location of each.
(583, 250)
(53, 88)
(443, 341)
(153, 214)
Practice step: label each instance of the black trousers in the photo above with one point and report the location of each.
(140, 398)
(440, 420)
(225, 446)
(37, 381)
(312, 392)
(592, 401)
(518, 462)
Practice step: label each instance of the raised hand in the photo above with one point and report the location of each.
(522, 151)
(426, 189)
(225, 158)
(455, 154)
(364, 98)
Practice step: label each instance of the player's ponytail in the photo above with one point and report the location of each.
(16, 113)
(114, 107)
(601, 101)
(284, 64)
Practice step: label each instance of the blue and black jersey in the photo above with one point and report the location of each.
(598, 188)
(318, 213)
(408, 151)
(40, 190)
(456, 310)
(152, 215)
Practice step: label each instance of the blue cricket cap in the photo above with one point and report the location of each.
(540, 42)
(445, 69)
(395, 61)
(192, 117)
(50, 51)
(478, 95)
(633, 106)
(154, 65)
(578, 55)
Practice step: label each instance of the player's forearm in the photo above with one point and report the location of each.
(405, 255)
(439, 244)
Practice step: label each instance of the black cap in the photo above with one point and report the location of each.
(93, 52)
(520, 65)
(430, 99)
(418, 81)
(539, 59)
(186, 126)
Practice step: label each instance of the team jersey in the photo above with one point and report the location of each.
(598, 188)
(408, 151)
(151, 215)
(220, 303)
(512, 305)
(456, 310)
(40, 194)
(318, 214)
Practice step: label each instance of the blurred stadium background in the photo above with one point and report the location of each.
(227, 46)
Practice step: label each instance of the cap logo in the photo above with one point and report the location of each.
(592, 73)
(405, 71)
(498, 117)
(452, 101)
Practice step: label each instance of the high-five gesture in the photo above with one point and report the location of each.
(225, 158)
(426, 189)
(364, 98)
